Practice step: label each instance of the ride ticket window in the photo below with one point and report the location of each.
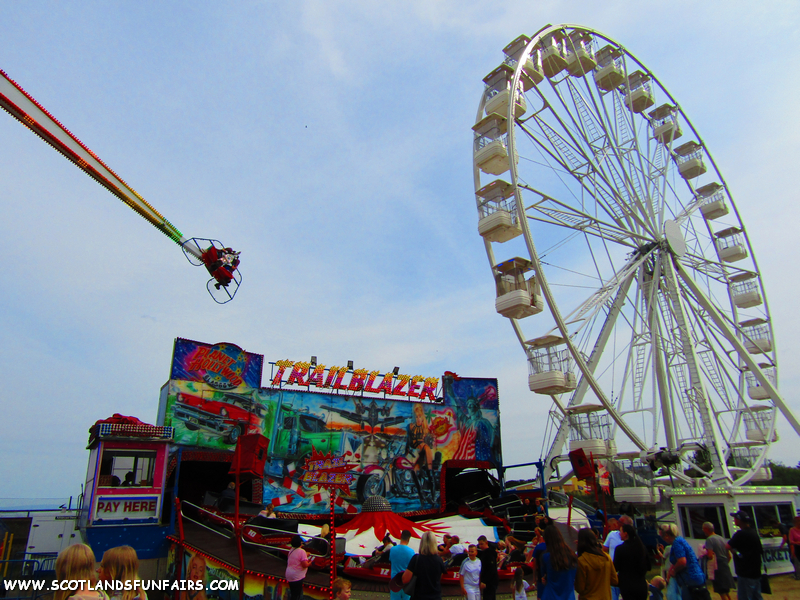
(693, 516)
(768, 516)
(127, 468)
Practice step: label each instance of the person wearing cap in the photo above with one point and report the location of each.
(746, 547)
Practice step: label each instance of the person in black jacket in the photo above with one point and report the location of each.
(428, 567)
(632, 564)
(487, 553)
(747, 550)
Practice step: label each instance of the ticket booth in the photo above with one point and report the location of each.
(123, 500)
(767, 506)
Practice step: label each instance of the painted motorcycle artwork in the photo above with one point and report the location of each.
(395, 448)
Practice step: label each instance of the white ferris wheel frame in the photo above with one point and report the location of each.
(613, 294)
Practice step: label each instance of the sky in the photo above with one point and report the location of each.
(330, 142)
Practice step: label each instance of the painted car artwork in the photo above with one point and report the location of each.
(222, 414)
(396, 447)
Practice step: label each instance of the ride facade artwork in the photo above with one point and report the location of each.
(624, 267)
(397, 446)
(222, 263)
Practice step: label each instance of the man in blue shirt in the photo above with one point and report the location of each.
(400, 556)
(685, 566)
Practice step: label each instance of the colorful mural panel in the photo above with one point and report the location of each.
(395, 448)
(210, 418)
(223, 366)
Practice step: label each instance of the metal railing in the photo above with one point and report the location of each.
(24, 579)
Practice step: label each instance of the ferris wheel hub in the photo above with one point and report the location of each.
(674, 238)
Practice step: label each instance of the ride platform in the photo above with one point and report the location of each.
(260, 564)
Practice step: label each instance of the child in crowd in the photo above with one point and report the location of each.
(121, 564)
(76, 563)
(342, 589)
(519, 586)
(656, 588)
(470, 571)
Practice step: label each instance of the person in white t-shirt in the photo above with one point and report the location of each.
(519, 586)
(457, 547)
(612, 539)
(470, 572)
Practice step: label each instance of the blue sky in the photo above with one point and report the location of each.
(330, 142)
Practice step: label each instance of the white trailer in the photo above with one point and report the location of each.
(767, 505)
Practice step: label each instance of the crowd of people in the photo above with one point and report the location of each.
(613, 568)
(78, 563)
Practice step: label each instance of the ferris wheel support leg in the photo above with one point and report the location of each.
(583, 385)
(744, 355)
(658, 361)
(698, 394)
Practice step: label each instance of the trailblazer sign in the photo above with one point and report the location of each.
(327, 472)
(305, 374)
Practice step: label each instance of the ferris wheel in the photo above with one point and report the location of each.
(623, 265)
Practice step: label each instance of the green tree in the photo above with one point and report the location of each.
(782, 475)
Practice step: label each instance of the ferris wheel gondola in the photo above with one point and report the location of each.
(623, 265)
(225, 277)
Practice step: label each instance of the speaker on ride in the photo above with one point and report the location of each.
(581, 465)
(250, 455)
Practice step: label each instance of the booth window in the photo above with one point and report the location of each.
(127, 468)
(694, 515)
(768, 516)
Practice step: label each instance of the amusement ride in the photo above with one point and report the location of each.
(628, 277)
(221, 262)
(624, 268)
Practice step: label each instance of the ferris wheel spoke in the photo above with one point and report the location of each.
(617, 147)
(709, 268)
(585, 311)
(688, 210)
(559, 151)
(562, 214)
(740, 348)
(598, 135)
(573, 158)
(591, 364)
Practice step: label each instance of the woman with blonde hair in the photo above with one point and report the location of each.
(419, 440)
(76, 564)
(685, 568)
(121, 564)
(428, 567)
